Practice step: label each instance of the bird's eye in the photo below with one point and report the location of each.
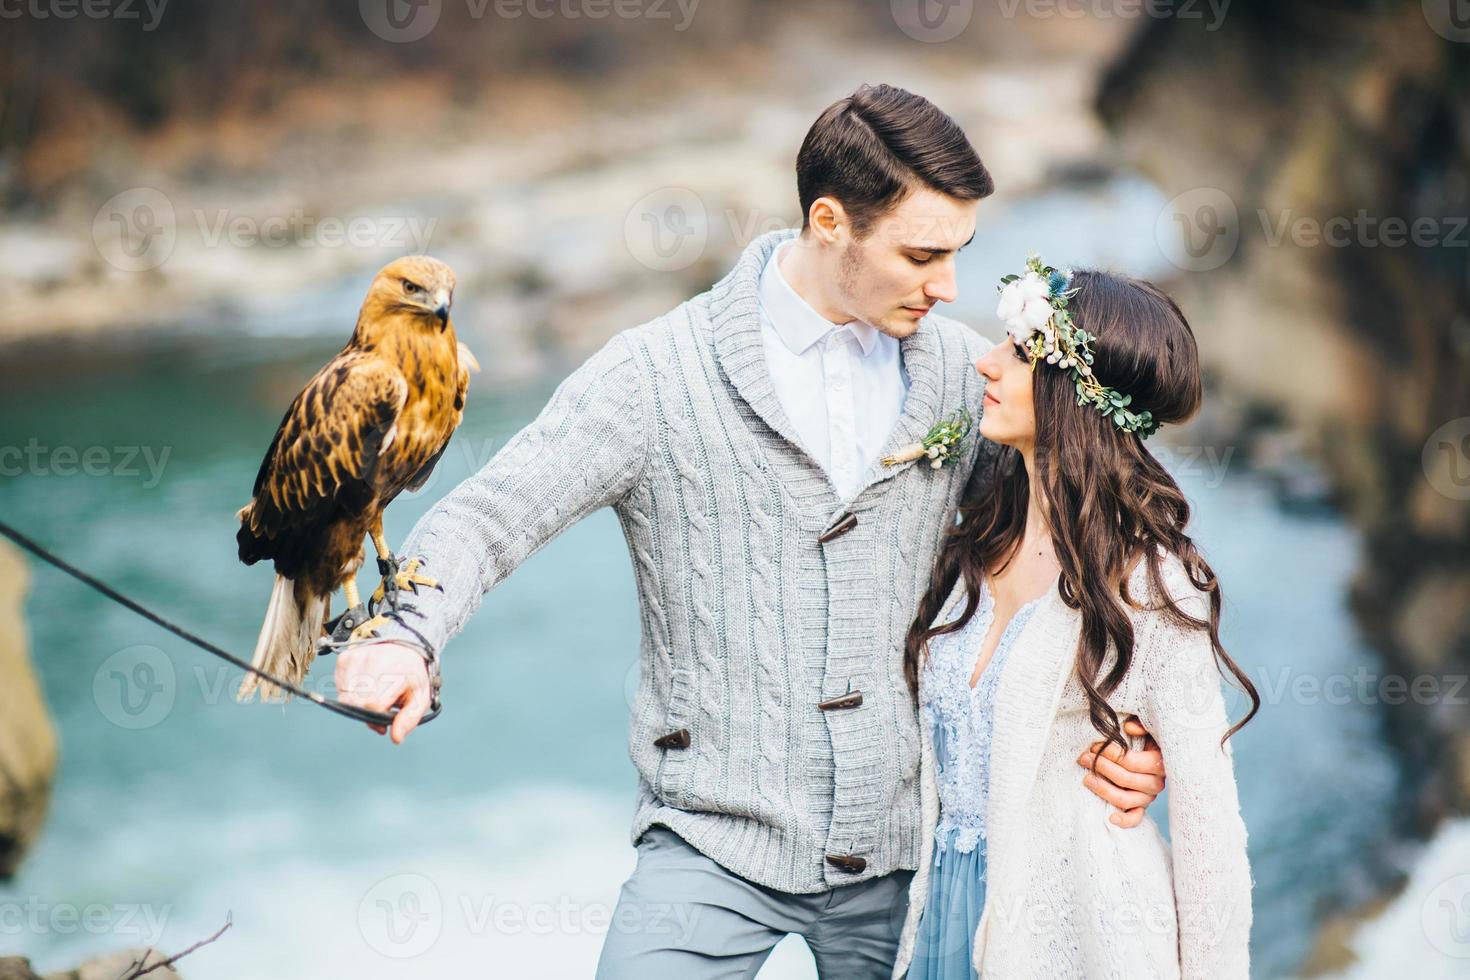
(412, 287)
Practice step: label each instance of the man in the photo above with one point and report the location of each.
(779, 562)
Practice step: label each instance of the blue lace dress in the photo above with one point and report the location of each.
(959, 718)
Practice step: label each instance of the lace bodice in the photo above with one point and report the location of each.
(960, 718)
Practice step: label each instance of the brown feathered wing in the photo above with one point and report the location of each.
(319, 489)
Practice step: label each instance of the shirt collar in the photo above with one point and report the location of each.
(796, 323)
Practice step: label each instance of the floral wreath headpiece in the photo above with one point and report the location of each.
(1034, 308)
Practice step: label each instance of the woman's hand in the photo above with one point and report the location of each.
(1129, 780)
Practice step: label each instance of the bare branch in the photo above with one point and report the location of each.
(137, 969)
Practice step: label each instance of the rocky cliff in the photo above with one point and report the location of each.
(27, 739)
(1320, 154)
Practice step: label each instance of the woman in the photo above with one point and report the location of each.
(1068, 600)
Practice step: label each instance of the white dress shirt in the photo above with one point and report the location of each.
(841, 385)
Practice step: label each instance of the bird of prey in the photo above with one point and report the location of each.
(371, 423)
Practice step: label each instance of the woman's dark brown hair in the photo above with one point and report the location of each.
(1108, 501)
(871, 148)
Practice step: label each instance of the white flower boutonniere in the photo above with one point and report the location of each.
(941, 444)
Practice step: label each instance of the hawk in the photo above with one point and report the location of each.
(370, 424)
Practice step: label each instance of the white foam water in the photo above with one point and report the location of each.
(523, 884)
(1424, 932)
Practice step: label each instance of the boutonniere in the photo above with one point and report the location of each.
(941, 444)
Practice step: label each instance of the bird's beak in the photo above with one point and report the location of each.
(441, 306)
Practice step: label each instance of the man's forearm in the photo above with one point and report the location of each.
(584, 451)
(451, 554)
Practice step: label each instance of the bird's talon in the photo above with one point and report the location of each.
(409, 577)
(398, 577)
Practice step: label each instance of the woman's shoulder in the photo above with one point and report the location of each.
(1166, 646)
(1154, 625)
(1174, 581)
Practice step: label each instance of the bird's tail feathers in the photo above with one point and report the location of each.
(287, 642)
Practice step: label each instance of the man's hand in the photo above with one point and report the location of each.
(380, 675)
(1129, 780)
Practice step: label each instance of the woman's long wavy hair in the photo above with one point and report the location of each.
(1108, 501)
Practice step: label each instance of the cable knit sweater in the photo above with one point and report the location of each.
(1068, 894)
(772, 728)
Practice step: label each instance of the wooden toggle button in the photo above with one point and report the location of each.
(844, 524)
(848, 862)
(851, 699)
(673, 740)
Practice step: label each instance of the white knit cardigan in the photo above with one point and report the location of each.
(1068, 894)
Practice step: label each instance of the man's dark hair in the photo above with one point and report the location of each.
(872, 148)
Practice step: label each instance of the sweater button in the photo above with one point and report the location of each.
(851, 699)
(673, 740)
(844, 524)
(848, 862)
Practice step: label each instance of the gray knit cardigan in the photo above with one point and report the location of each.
(772, 727)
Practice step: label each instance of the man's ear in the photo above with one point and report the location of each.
(827, 220)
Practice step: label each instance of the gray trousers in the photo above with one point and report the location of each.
(682, 916)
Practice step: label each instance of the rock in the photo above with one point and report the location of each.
(111, 966)
(27, 739)
(1359, 342)
(1415, 930)
(1333, 951)
(108, 966)
(1285, 186)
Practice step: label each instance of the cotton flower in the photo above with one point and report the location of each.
(1036, 313)
(1011, 302)
(1017, 294)
(1033, 286)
